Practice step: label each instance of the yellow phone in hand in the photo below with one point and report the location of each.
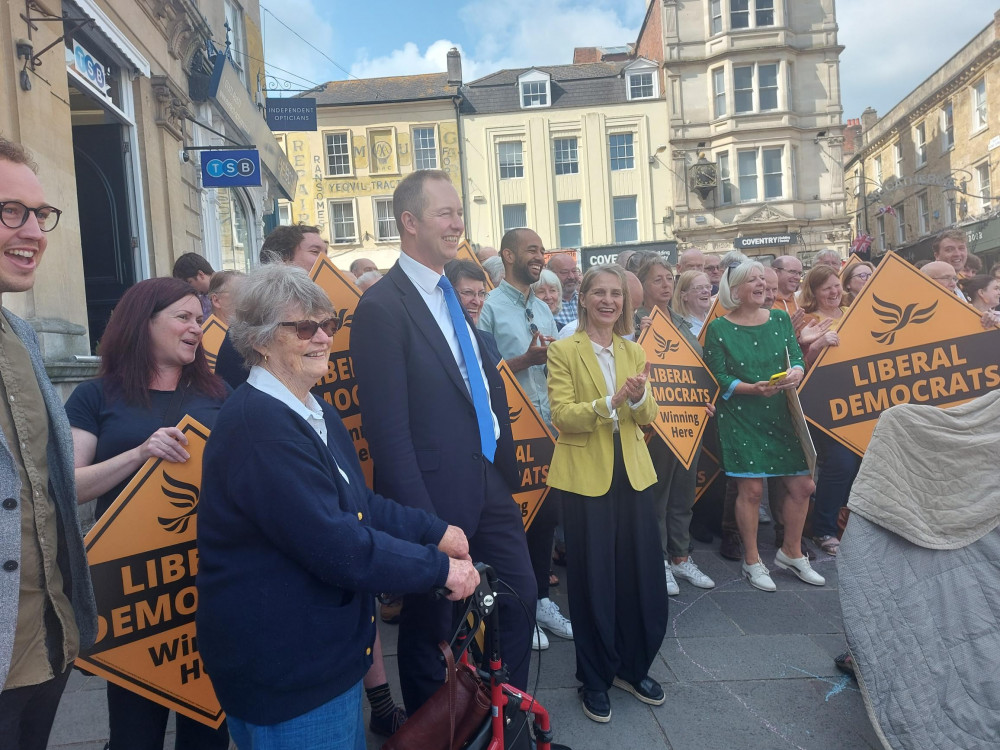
(776, 377)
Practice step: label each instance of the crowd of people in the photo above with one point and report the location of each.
(293, 544)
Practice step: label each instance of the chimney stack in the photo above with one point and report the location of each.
(454, 67)
(868, 119)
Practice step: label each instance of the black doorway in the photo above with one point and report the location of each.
(105, 231)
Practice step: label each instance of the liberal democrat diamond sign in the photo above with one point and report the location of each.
(143, 557)
(681, 385)
(339, 387)
(906, 339)
(533, 447)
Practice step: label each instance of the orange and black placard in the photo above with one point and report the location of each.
(339, 387)
(905, 339)
(143, 557)
(715, 311)
(465, 253)
(680, 384)
(213, 331)
(533, 447)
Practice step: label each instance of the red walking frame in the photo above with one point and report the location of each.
(510, 708)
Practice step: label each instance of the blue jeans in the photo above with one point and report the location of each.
(838, 468)
(336, 725)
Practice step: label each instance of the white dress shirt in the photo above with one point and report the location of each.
(265, 382)
(606, 360)
(426, 280)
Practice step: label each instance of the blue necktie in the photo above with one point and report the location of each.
(480, 398)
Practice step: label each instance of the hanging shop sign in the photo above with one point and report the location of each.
(295, 114)
(228, 93)
(231, 168)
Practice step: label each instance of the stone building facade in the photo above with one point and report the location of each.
(930, 163)
(114, 101)
(753, 111)
(371, 133)
(576, 152)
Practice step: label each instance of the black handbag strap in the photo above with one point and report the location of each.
(173, 413)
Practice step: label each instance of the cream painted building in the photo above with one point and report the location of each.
(115, 102)
(928, 164)
(574, 152)
(753, 122)
(371, 134)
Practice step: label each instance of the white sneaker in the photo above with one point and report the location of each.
(799, 566)
(691, 573)
(759, 577)
(672, 588)
(548, 616)
(538, 640)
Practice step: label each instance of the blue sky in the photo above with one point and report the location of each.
(890, 45)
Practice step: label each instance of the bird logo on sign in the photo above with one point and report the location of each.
(185, 498)
(898, 317)
(664, 345)
(515, 414)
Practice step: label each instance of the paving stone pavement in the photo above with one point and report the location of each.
(740, 668)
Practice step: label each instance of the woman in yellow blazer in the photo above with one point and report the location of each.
(599, 396)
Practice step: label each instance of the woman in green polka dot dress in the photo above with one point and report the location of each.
(743, 350)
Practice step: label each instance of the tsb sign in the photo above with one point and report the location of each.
(231, 168)
(89, 67)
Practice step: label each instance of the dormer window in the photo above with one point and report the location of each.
(641, 80)
(535, 89)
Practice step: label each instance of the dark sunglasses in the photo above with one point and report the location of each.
(306, 329)
(530, 315)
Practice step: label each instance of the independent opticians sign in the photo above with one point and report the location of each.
(295, 114)
(230, 168)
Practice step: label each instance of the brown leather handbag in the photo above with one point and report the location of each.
(451, 716)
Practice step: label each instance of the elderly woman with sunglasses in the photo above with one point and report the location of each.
(290, 540)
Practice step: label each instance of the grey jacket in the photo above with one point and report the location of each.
(62, 489)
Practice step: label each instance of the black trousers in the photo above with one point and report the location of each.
(27, 713)
(424, 621)
(617, 588)
(138, 723)
(540, 535)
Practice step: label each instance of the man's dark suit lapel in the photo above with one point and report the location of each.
(416, 308)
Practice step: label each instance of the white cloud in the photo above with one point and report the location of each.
(406, 61)
(515, 34)
(892, 46)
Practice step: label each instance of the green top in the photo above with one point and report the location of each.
(755, 433)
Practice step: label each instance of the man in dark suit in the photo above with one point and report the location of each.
(436, 419)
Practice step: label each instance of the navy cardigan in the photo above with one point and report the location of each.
(289, 558)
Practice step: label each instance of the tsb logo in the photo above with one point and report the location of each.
(230, 167)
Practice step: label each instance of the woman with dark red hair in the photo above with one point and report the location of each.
(153, 372)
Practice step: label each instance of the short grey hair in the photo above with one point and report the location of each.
(549, 278)
(261, 301)
(494, 267)
(733, 257)
(732, 279)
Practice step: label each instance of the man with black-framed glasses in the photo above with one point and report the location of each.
(789, 270)
(47, 610)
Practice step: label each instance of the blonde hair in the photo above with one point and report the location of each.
(624, 324)
(732, 278)
(684, 282)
